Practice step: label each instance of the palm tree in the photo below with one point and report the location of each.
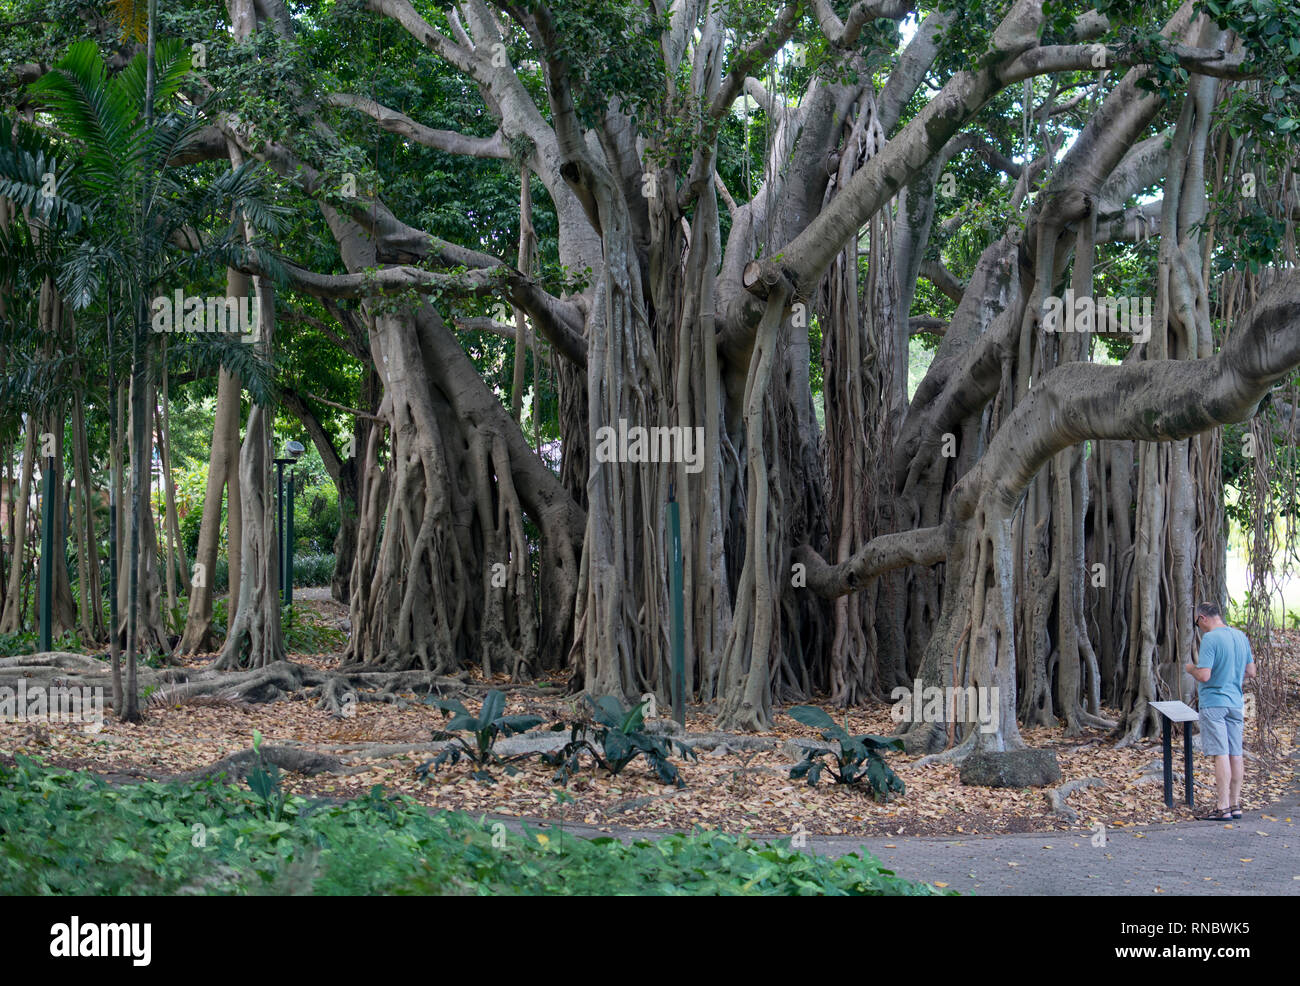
(135, 211)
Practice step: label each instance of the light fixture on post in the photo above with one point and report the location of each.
(284, 519)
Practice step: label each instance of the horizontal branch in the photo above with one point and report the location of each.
(844, 34)
(449, 141)
(1151, 401)
(939, 275)
(209, 144)
(1098, 57)
(924, 546)
(918, 324)
(559, 321)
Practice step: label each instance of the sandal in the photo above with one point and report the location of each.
(1236, 810)
(1217, 815)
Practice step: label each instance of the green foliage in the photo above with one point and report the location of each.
(858, 760)
(312, 569)
(316, 519)
(613, 51)
(484, 729)
(65, 832)
(220, 616)
(134, 209)
(1251, 240)
(26, 158)
(304, 633)
(620, 733)
(264, 782)
(18, 642)
(1270, 33)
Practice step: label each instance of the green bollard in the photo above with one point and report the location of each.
(47, 556)
(679, 622)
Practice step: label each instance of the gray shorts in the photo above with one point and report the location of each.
(1221, 731)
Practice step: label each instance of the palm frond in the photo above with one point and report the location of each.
(36, 179)
(95, 115)
(209, 352)
(171, 65)
(132, 17)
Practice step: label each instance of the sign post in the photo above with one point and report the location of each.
(1170, 713)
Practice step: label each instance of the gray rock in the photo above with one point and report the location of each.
(1011, 768)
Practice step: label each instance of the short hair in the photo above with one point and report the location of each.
(1209, 610)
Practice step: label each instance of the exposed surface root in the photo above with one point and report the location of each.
(237, 765)
(1057, 795)
(954, 756)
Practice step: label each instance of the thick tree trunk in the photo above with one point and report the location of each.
(223, 469)
(254, 638)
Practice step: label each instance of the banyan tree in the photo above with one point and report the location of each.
(749, 223)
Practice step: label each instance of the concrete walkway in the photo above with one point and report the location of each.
(1255, 856)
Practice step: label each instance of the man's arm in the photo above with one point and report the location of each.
(1250, 669)
(1202, 673)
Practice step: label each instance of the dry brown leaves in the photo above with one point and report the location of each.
(736, 791)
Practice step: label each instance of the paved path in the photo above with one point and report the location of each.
(1252, 857)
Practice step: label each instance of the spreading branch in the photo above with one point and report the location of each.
(449, 141)
(844, 34)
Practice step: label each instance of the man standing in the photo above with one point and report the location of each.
(1225, 663)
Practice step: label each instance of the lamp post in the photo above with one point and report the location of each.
(284, 520)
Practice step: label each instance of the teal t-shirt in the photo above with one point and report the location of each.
(1226, 652)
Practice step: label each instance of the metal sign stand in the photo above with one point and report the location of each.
(1170, 713)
